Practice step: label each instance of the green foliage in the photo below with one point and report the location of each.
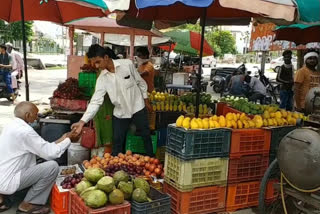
(12, 31)
(221, 41)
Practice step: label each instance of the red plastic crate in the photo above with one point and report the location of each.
(271, 193)
(202, 200)
(220, 107)
(249, 142)
(71, 105)
(247, 168)
(59, 201)
(77, 206)
(242, 195)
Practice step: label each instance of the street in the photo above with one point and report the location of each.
(42, 85)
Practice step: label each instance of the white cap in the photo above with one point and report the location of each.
(310, 54)
(117, 4)
(9, 44)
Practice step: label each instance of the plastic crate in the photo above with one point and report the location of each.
(59, 201)
(247, 168)
(160, 204)
(242, 195)
(68, 105)
(77, 206)
(152, 120)
(160, 154)
(162, 136)
(271, 193)
(249, 142)
(135, 143)
(166, 118)
(195, 144)
(87, 80)
(219, 108)
(187, 175)
(202, 200)
(277, 134)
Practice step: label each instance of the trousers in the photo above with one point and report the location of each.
(121, 127)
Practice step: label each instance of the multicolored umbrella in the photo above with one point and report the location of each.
(50, 10)
(298, 33)
(57, 11)
(188, 42)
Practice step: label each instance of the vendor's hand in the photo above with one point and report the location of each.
(148, 106)
(74, 137)
(77, 127)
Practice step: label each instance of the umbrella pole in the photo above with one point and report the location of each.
(167, 67)
(24, 41)
(204, 17)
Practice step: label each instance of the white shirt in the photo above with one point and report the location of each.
(126, 89)
(19, 145)
(18, 61)
(257, 86)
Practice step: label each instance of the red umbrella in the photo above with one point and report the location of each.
(50, 10)
(54, 11)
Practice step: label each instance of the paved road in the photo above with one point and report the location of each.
(42, 85)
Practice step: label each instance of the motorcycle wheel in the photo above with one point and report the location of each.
(217, 88)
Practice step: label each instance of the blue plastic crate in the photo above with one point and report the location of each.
(160, 204)
(194, 144)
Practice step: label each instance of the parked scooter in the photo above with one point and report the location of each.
(3, 89)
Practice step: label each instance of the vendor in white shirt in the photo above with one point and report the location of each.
(127, 92)
(19, 146)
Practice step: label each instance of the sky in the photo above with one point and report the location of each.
(48, 28)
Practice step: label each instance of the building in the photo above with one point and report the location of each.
(241, 35)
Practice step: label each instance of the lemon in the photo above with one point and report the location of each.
(240, 124)
(194, 124)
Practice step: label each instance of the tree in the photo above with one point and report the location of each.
(12, 31)
(224, 40)
(221, 41)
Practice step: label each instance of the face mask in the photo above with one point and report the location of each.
(141, 61)
(35, 124)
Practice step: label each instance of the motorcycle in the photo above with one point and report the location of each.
(3, 88)
(272, 87)
(193, 82)
(222, 77)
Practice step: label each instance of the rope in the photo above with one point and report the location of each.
(296, 188)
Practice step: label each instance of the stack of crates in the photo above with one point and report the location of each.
(196, 168)
(249, 159)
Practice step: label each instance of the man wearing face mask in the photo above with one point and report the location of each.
(306, 78)
(285, 78)
(127, 92)
(19, 146)
(145, 67)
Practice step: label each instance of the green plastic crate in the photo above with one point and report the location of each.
(277, 134)
(136, 144)
(87, 82)
(196, 144)
(187, 175)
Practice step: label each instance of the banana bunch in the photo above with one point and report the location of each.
(236, 121)
(281, 118)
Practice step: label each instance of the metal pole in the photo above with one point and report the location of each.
(204, 17)
(24, 41)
